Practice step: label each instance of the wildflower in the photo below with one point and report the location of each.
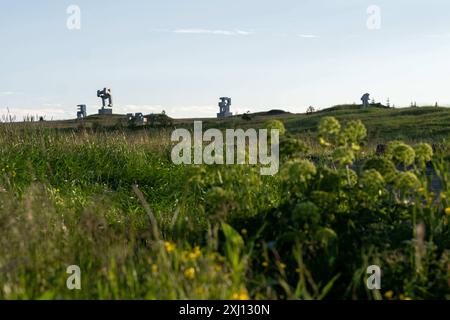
(244, 231)
(372, 181)
(389, 294)
(196, 253)
(281, 265)
(324, 143)
(354, 132)
(189, 273)
(154, 268)
(276, 125)
(213, 256)
(241, 295)
(424, 152)
(169, 246)
(401, 153)
(184, 255)
(406, 181)
(344, 155)
(329, 126)
(447, 211)
(200, 290)
(265, 264)
(384, 166)
(299, 170)
(306, 213)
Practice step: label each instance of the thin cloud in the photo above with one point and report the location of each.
(53, 105)
(131, 108)
(244, 33)
(6, 93)
(308, 36)
(19, 114)
(214, 32)
(442, 35)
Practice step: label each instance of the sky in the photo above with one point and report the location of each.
(180, 56)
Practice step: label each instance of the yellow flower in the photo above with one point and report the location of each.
(200, 290)
(217, 268)
(195, 253)
(154, 268)
(241, 295)
(265, 264)
(184, 255)
(281, 265)
(421, 190)
(189, 273)
(213, 256)
(244, 231)
(389, 294)
(169, 246)
(447, 211)
(324, 143)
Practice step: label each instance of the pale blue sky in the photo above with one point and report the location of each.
(182, 55)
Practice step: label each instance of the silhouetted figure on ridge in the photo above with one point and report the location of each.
(365, 100)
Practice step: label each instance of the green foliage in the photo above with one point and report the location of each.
(400, 153)
(221, 232)
(276, 125)
(424, 153)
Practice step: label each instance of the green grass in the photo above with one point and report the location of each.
(140, 227)
(420, 123)
(424, 123)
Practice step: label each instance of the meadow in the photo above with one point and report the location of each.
(111, 201)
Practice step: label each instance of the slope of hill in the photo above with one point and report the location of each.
(424, 123)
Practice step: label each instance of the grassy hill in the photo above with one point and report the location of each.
(419, 123)
(140, 226)
(424, 123)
